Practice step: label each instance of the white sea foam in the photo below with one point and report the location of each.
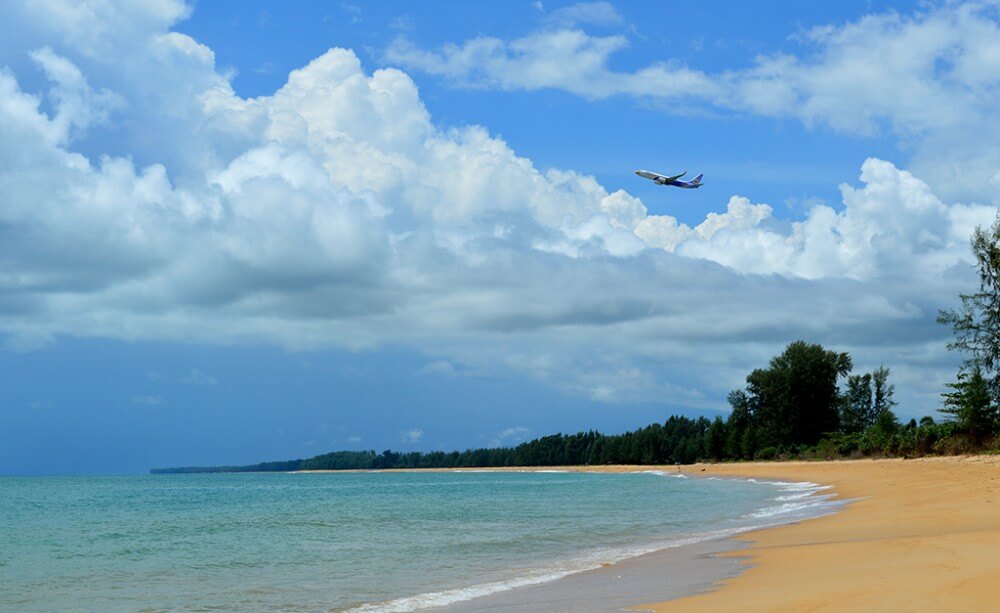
(661, 473)
(785, 509)
(796, 496)
(591, 561)
(799, 500)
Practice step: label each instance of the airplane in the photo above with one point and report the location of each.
(659, 179)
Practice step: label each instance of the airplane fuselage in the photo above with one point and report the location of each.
(674, 180)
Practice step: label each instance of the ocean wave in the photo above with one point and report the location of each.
(592, 561)
(661, 473)
(802, 501)
(788, 508)
(798, 500)
(447, 597)
(796, 496)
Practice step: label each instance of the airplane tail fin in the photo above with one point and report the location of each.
(697, 179)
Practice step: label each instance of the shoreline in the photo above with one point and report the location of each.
(919, 534)
(693, 565)
(663, 575)
(692, 569)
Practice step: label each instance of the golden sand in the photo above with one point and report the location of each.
(923, 535)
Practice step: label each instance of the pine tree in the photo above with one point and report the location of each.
(971, 406)
(857, 411)
(883, 395)
(976, 324)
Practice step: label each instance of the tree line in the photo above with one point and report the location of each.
(807, 403)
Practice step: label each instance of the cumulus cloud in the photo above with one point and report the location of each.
(336, 212)
(894, 223)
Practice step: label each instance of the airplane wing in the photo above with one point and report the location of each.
(675, 177)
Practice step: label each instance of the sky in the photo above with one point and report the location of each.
(236, 232)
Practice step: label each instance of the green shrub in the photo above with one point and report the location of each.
(767, 453)
(826, 449)
(956, 444)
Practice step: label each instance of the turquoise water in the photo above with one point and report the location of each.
(379, 541)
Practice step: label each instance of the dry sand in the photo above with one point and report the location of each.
(923, 535)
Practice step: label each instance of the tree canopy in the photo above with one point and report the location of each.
(976, 323)
(974, 405)
(794, 401)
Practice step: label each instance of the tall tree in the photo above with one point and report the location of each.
(883, 392)
(742, 438)
(971, 406)
(715, 440)
(976, 323)
(795, 400)
(857, 411)
(868, 402)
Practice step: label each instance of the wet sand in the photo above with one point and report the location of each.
(920, 534)
(661, 575)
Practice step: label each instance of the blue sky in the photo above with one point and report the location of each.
(780, 162)
(237, 232)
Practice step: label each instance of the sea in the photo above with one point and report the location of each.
(378, 541)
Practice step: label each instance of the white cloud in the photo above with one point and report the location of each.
(510, 437)
(336, 212)
(413, 435)
(568, 59)
(585, 13)
(77, 106)
(894, 223)
(931, 78)
(438, 367)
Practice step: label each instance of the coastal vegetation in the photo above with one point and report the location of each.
(806, 404)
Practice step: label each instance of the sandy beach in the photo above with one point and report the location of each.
(919, 534)
(922, 534)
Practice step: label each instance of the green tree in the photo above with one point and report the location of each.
(976, 323)
(883, 392)
(970, 406)
(857, 412)
(741, 428)
(715, 440)
(793, 401)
